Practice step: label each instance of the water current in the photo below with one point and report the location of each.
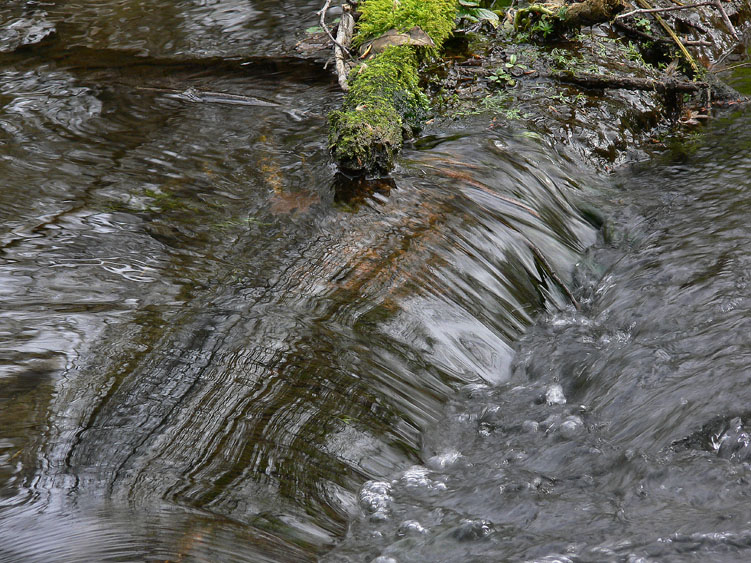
(213, 348)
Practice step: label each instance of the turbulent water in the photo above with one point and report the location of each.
(213, 348)
(623, 433)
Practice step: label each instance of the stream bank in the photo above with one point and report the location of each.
(613, 92)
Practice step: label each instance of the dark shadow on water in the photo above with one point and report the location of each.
(350, 192)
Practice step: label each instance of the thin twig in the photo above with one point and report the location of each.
(726, 19)
(657, 10)
(322, 14)
(724, 56)
(733, 67)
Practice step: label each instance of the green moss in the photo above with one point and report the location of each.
(384, 99)
(366, 139)
(434, 17)
(390, 78)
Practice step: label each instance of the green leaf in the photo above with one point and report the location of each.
(475, 14)
(484, 14)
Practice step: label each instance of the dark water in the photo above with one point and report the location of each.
(214, 349)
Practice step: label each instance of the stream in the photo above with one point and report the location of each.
(215, 348)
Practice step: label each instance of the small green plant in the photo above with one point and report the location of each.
(539, 21)
(569, 100)
(643, 25)
(632, 53)
(496, 102)
(544, 26)
(503, 75)
(502, 78)
(512, 113)
(559, 57)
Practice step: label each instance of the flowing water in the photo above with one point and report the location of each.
(213, 348)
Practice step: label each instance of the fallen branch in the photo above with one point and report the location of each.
(601, 81)
(322, 20)
(384, 101)
(658, 10)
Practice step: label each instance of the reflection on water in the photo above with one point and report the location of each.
(209, 342)
(214, 348)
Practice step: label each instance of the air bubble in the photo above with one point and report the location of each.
(375, 499)
(412, 528)
(555, 396)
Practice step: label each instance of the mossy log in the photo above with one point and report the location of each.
(384, 101)
(563, 17)
(592, 12)
(384, 98)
